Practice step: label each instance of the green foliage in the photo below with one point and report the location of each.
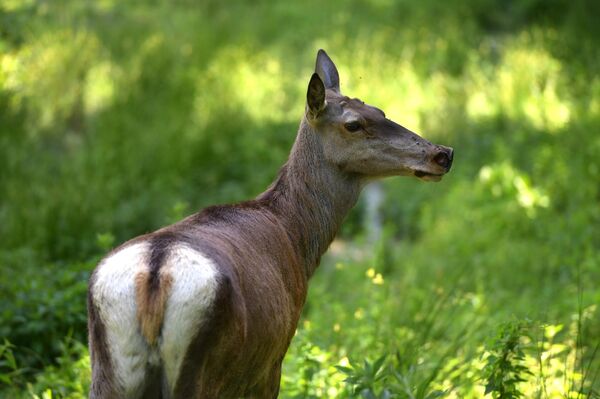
(363, 378)
(119, 117)
(41, 305)
(504, 368)
(394, 379)
(9, 370)
(69, 378)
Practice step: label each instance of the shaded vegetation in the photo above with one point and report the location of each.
(119, 117)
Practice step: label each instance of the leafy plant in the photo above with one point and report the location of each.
(10, 372)
(69, 378)
(504, 368)
(363, 378)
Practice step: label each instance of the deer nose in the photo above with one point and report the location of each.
(444, 157)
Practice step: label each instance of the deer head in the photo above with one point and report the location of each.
(360, 140)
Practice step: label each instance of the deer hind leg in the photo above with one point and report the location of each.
(103, 383)
(269, 388)
(123, 364)
(194, 286)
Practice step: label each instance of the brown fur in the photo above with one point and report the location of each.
(103, 385)
(151, 303)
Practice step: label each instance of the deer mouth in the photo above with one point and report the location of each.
(428, 176)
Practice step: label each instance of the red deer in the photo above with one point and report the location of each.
(207, 307)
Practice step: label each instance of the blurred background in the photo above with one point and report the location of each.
(118, 117)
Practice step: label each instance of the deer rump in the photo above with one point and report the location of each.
(193, 310)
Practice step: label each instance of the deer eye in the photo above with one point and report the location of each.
(353, 126)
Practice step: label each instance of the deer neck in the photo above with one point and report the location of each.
(311, 197)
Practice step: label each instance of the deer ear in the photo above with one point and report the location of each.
(315, 96)
(327, 71)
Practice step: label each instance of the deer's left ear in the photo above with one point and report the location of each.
(327, 71)
(315, 96)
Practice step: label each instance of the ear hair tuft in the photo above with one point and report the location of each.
(315, 96)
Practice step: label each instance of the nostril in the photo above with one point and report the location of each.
(443, 159)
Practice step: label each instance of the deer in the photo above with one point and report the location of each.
(207, 307)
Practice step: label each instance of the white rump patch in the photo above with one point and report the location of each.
(193, 289)
(192, 294)
(114, 295)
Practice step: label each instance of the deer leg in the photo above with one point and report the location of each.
(206, 361)
(122, 361)
(274, 382)
(103, 384)
(270, 387)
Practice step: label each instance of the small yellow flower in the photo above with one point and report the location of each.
(336, 327)
(359, 314)
(371, 273)
(378, 279)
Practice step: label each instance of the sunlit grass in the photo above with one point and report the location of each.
(503, 179)
(254, 83)
(99, 87)
(57, 65)
(527, 84)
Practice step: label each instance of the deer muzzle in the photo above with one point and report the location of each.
(444, 157)
(439, 164)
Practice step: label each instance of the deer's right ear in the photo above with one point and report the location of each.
(315, 97)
